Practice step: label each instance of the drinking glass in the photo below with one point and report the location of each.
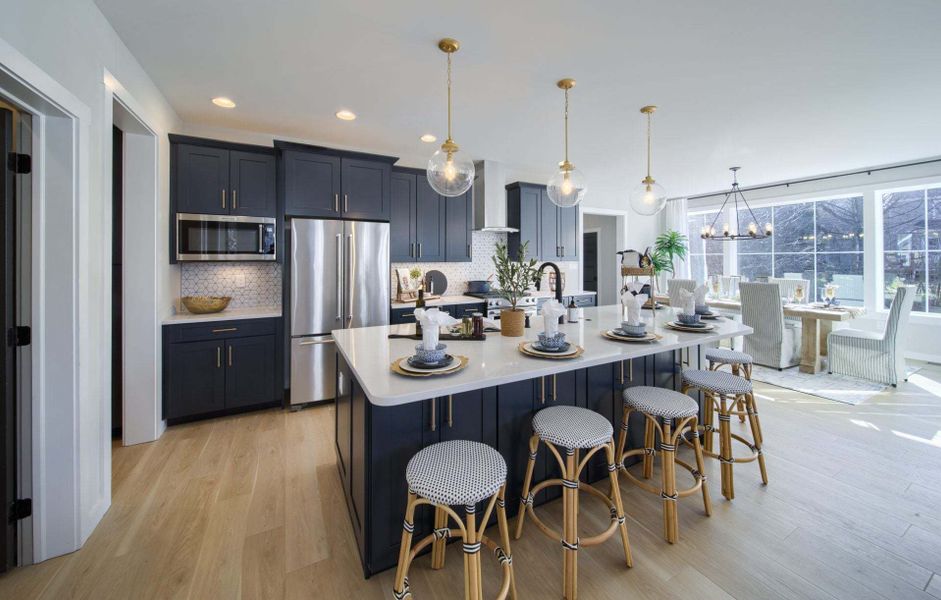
(829, 292)
(799, 294)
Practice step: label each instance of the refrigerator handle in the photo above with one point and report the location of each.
(349, 275)
(339, 277)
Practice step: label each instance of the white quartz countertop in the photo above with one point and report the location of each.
(260, 312)
(442, 301)
(497, 360)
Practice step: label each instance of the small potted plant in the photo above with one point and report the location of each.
(514, 278)
(415, 275)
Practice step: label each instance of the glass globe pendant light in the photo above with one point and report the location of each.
(649, 197)
(449, 173)
(567, 187)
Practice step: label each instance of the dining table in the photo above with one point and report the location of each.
(816, 324)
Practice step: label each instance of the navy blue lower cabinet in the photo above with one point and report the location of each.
(375, 443)
(197, 379)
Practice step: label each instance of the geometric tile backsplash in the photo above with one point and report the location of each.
(250, 284)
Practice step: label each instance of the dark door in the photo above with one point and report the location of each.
(366, 192)
(7, 350)
(203, 180)
(402, 218)
(460, 222)
(568, 233)
(590, 279)
(252, 180)
(431, 213)
(197, 378)
(249, 373)
(311, 185)
(117, 280)
(548, 228)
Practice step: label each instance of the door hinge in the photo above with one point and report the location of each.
(19, 336)
(20, 164)
(20, 509)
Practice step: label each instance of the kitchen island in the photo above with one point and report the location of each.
(383, 419)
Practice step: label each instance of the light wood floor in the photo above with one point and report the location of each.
(251, 507)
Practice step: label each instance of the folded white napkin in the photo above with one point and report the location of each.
(551, 311)
(700, 294)
(687, 303)
(432, 320)
(633, 305)
(634, 287)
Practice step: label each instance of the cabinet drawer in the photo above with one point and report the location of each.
(586, 300)
(402, 315)
(222, 329)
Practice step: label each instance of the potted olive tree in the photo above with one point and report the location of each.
(514, 277)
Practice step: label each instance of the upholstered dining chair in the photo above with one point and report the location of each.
(789, 285)
(675, 285)
(775, 342)
(876, 356)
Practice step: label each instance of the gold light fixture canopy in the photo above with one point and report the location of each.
(450, 173)
(566, 187)
(649, 197)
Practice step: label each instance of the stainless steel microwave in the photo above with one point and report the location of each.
(224, 237)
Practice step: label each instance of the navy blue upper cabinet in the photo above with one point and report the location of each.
(252, 180)
(460, 222)
(366, 193)
(552, 232)
(430, 223)
(311, 184)
(402, 243)
(202, 182)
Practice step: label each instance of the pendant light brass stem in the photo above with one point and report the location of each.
(449, 46)
(566, 85)
(648, 110)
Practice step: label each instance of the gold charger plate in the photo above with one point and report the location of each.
(679, 327)
(650, 337)
(395, 368)
(535, 353)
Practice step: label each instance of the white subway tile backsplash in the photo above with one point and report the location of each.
(250, 284)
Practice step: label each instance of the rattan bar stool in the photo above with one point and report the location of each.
(741, 364)
(669, 414)
(573, 429)
(722, 391)
(450, 474)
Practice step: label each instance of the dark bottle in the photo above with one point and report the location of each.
(420, 303)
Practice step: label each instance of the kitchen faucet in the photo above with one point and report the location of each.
(558, 282)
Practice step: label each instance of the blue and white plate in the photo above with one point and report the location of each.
(418, 364)
(560, 350)
(623, 333)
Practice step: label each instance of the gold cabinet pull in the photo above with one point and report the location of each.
(225, 329)
(542, 390)
(218, 357)
(235, 199)
(621, 376)
(230, 356)
(450, 412)
(223, 197)
(554, 396)
(434, 401)
(631, 372)
(336, 203)
(346, 202)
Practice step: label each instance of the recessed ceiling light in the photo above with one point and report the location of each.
(223, 102)
(428, 138)
(346, 115)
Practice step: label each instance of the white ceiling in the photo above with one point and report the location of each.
(784, 89)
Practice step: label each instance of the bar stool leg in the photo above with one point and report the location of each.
(527, 481)
(725, 447)
(400, 588)
(650, 439)
(505, 537)
(757, 427)
(756, 435)
(668, 482)
(740, 404)
(619, 507)
(701, 467)
(440, 544)
(471, 555)
(570, 528)
(709, 418)
(622, 435)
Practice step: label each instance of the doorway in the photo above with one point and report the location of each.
(590, 276)
(15, 166)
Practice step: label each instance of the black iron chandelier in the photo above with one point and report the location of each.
(726, 235)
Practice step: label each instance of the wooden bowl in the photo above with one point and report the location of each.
(201, 305)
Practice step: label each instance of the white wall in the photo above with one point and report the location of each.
(924, 330)
(73, 43)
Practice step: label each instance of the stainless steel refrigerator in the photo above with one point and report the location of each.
(339, 279)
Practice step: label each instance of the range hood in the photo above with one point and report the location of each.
(490, 197)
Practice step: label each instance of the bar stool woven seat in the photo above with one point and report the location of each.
(456, 473)
(724, 355)
(660, 402)
(719, 382)
(572, 427)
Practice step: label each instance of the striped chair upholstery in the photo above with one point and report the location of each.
(789, 285)
(675, 285)
(870, 355)
(774, 343)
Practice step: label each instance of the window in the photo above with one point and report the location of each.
(911, 245)
(705, 256)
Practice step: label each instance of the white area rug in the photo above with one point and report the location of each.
(841, 388)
